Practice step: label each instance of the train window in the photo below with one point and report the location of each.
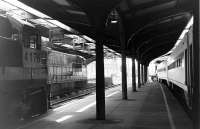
(180, 62)
(7, 31)
(32, 41)
(15, 37)
(44, 41)
(174, 65)
(5, 28)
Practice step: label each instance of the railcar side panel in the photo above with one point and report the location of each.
(22, 73)
(179, 67)
(66, 73)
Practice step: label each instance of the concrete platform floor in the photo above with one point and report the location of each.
(152, 107)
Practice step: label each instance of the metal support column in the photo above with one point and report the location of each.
(133, 74)
(123, 53)
(196, 65)
(100, 82)
(145, 73)
(142, 74)
(139, 85)
(124, 77)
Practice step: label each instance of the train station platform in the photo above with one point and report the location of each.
(152, 107)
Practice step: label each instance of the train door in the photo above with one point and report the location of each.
(36, 101)
(190, 88)
(188, 70)
(186, 67)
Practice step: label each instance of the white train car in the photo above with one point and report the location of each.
(176, 64)
(175, 71)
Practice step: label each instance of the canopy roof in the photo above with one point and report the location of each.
(151, 27)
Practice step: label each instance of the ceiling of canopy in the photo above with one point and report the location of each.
(151, 27)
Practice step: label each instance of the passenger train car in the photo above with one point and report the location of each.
(175, 71)
(31, 75)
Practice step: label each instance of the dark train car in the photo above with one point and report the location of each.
(22, 71)
(66, 73)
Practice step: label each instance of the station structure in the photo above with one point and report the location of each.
(138, 29)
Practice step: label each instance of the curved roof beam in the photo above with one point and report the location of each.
(147, 42)
(160, 49)
(156, 23)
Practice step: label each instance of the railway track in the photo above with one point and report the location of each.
(58, 102)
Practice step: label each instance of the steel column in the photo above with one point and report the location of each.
(124, 77)
(123, 53)
(142, 74)
(196, 65)
(139, 85)
(145, 73)
(100, 82)
(133, 74)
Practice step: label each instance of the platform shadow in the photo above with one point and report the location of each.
(95, 121)
(125, 100)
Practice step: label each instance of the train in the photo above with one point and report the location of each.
(67, 73)
(22, 70)
(175, 68)
(31, 76)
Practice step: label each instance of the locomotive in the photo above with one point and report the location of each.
(175, 70)
(23, 90)
(30, 76)
(66, 73)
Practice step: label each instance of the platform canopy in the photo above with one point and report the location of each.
(151, 27)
